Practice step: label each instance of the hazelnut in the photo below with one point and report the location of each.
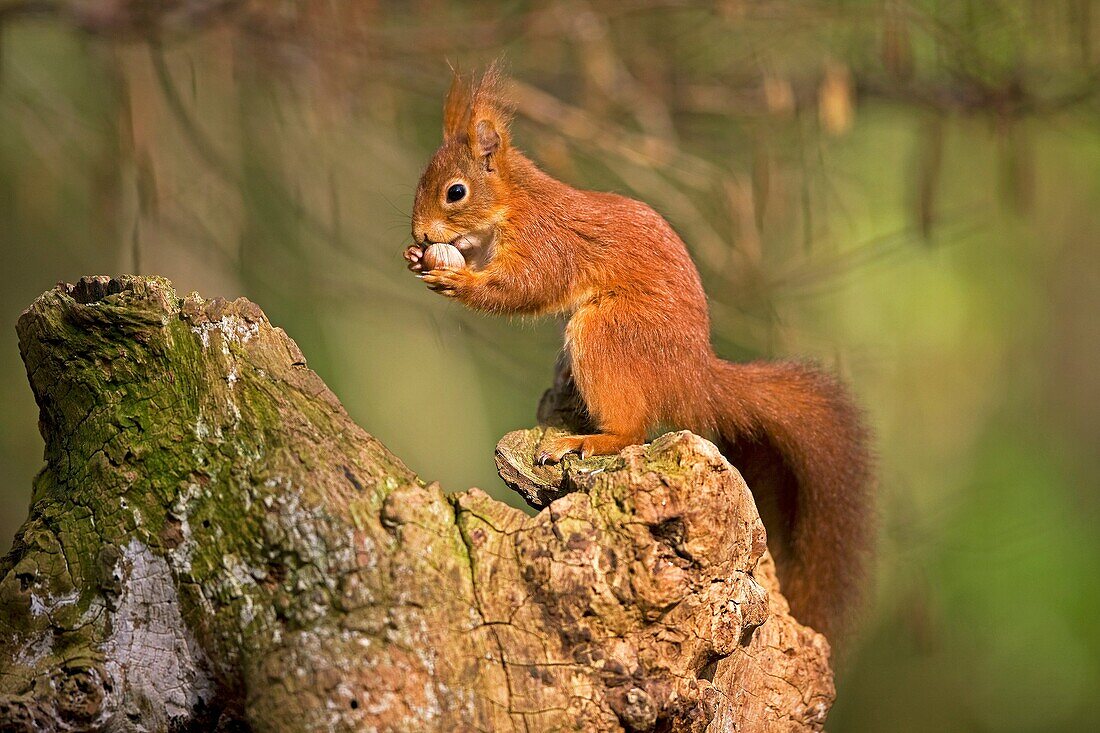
(442, 256)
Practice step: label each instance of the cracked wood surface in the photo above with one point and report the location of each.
(214, 545)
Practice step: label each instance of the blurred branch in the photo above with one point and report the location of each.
(196, 138)
(13, 9)
(967, 95)
(1011, 99)
(637, 147)
(220, 165)
(806, 276)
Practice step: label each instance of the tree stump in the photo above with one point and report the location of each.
(214, 545)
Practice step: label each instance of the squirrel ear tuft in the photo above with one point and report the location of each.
(489, 117)
(456, 108)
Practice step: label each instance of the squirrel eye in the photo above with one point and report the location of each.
(457, 192)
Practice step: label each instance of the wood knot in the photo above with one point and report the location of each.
(636, 710)
(78, 694)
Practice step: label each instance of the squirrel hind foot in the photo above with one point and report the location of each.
(598, 444)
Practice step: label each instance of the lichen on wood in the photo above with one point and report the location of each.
(214, 544)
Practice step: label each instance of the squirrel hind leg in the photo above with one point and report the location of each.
(605, 444)
(597, 444)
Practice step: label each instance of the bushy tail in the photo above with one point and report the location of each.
(799, 441)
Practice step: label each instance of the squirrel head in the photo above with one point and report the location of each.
(463, 193)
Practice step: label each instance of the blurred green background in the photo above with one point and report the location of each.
(907, 191)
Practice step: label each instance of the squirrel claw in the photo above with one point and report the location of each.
(545, 458)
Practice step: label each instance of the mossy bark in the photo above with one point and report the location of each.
(214, 544)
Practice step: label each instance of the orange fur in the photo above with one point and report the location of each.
(638, 337)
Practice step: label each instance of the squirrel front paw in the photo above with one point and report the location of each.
(413, 255)
(450, 283)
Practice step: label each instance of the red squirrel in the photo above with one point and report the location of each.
(638, 338)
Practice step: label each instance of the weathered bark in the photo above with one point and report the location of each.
(214, 543)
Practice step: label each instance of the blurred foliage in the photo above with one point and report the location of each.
(906, 190)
